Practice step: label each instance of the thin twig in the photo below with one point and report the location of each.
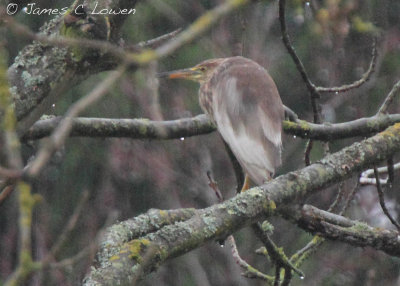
(364, 177)
(382, 200)
(349, 198)
(390, 167)
(314, 94)
(276, 255)
(6, 192)
(338, 198)
(59, 135)
(290, 115)
(286, 40)
(249, 271)
(300, 256)
(389, 98)
(156, 42)
(213, 185)
(364, 78)
(307, 152)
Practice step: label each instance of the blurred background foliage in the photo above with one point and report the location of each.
(127, 177)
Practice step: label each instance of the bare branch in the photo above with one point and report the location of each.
(156, 42)
(350, 198)
(286, 40)
(364, 177)
(382, 200)
(201, 124)
(130, 128)
(362, 127)
(300, 256)
(277, 256)
(314, 94)
(339, 228)
(249, 271)
(339, 197)
(307, 152)
(6, 192)
(364, 78)
(391, 169)
(389, 98)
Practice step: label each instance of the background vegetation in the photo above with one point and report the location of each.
(126, 177)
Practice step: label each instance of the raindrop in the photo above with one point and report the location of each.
(336, 92)
(53, 105)
(307, 3)
(222, 246)
(182, 138)
(301, 277)
(294, 136)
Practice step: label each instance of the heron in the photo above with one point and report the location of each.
(243, 101)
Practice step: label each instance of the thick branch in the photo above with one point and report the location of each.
(141, 225)
(339, 228)
(218, 221)
(201, 124)
(131, 128)
(362, 127)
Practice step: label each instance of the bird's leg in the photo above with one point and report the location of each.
(246, 184)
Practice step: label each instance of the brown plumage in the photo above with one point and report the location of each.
(243, 101)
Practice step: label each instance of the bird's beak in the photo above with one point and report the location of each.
(190, 73)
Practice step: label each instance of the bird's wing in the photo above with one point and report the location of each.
(248, 112)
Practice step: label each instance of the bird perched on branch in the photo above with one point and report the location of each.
(242, 99)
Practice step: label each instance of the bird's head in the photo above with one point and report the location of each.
(200, 73)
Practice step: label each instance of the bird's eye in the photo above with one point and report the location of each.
(202, 69)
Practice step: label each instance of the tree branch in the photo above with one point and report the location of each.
(362, 127)
(131, 128)
(389, 98)
(219, 221)
(339, 228)
(201, 124)
(58, 67)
